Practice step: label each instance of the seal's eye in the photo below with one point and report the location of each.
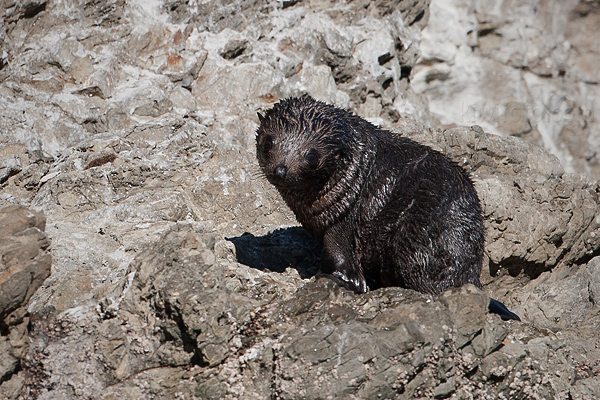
(268, 143)
(312, 158)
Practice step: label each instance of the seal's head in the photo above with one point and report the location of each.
(299, 144)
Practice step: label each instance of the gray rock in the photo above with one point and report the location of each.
(314, 341)
(24, 264)
(478, 63)
(25, 260)
(9, 363)
(178, 272)
(193, 317)
(9, 166)
(564, 298)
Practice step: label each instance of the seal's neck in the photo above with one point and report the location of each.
(331, 204)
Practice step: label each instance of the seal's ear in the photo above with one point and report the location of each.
(261, 118)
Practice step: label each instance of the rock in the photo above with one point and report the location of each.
(479, 62)
(514, 120)
(259, 327)
(182, 99)
(25, 258)
(279, 335)
(564, 298)
(179, 272)
(9, 363)
(9, 166)
(24, 265)
(234, 49)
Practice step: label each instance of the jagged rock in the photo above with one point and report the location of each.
(478, 62)
(249, 333)
(25, 260)
(179, 272)
(241, 333)
(563, 298)
(24, 264)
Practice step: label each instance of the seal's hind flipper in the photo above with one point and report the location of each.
(497, 307)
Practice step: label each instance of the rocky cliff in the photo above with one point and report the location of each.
(178, 272)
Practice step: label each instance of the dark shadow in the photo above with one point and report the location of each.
(278, 250)
(516, 266)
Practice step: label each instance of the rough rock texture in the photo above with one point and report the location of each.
(24, 264)
(189, 326)
(527, 69)
(178, 272)
(122, 119)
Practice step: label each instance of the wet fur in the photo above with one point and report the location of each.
(387, 210)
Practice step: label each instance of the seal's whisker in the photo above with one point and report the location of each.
(256, 174)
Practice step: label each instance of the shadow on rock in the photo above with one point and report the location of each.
(290, 247)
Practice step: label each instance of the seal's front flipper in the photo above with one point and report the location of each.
(342, 271)
(497, 307)
(340, 261)
(342, 281)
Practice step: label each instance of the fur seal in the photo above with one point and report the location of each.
(387, 210)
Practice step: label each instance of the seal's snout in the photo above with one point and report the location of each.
(281, 171)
